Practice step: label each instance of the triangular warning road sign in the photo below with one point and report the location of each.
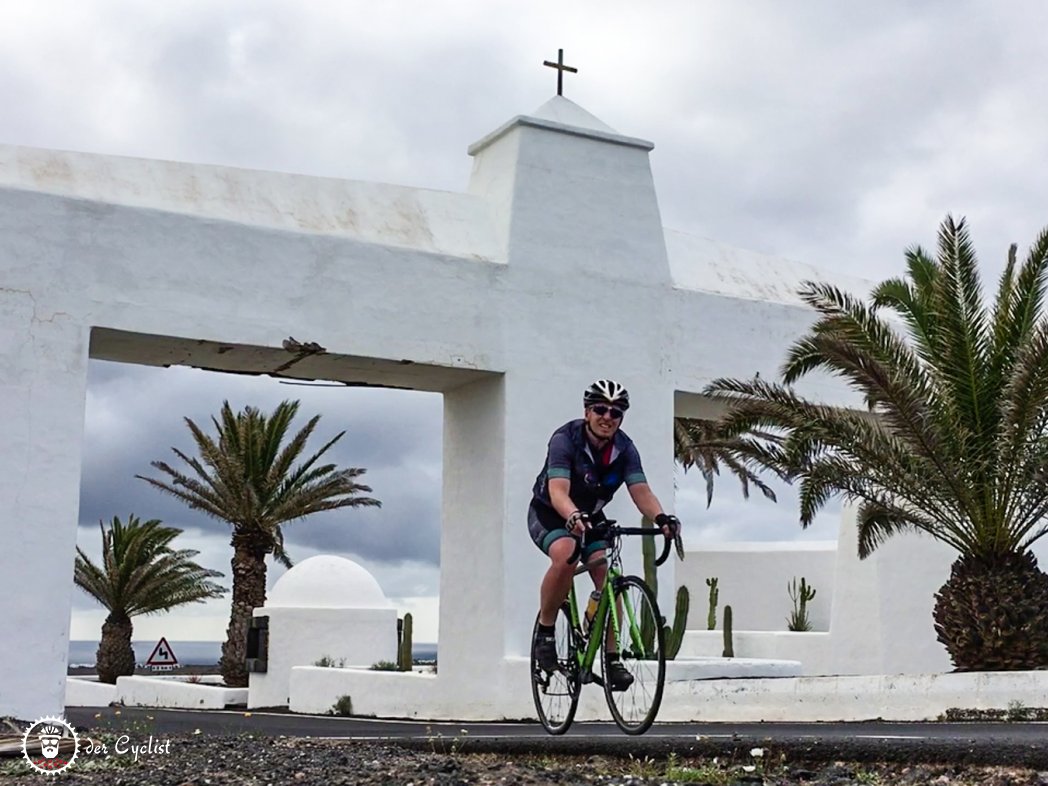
(162, 655)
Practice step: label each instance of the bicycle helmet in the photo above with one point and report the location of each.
(606, 391)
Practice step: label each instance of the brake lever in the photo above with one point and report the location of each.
(678, 544)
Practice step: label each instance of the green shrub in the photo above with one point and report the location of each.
(343, 706)
(327, 662)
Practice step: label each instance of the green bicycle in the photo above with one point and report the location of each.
(627, 621)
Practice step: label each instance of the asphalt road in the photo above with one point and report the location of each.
(961, 743)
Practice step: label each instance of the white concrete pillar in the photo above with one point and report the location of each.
(474, 509)
(42, 389)
(588, 273)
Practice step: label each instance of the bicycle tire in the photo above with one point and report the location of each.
(556, 694)
(634, 709)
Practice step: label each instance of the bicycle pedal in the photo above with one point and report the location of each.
(589, 677)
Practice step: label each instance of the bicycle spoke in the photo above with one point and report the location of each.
(556, 693)
(639, 643)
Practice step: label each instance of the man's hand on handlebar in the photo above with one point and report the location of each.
(670, 525)
(671, 529)
(577, 523)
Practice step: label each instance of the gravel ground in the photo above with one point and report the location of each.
(246, 759)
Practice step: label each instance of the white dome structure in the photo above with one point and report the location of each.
(325, 609)
(328, 581)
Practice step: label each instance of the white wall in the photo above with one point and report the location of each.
(812, 650)
(752, 578)
(882, 616)
(909, 697)
(301, 637)
(499, 298)
(877, 612)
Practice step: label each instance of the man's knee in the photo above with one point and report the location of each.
(560, 551)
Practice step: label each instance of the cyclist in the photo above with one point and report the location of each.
(586, 462)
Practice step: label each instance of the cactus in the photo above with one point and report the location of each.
(647, 629)
(675, 635)
(647, 545)
(801, 596)
(729, 650)
(404, 659)
(711, 615)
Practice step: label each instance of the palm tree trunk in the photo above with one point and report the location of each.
(992, 614)
(249, 592)
(114, 657)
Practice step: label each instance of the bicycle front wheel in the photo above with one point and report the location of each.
(556, 693)
(634, 688)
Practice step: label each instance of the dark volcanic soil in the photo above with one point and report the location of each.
(200, 761)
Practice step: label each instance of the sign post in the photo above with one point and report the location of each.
(163, 657)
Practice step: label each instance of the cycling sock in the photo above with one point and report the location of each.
(545, 630)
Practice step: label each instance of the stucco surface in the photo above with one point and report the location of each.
(871, 616)
(754, 579)
(902, 697)
(303, 636)
(481, 294)
(432, 221)
(328, 581)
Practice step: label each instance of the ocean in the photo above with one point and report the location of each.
(195, 653)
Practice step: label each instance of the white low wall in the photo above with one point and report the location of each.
(901, 697)
(507, 696)
(811, 649)
(504, 694)
(302, 636)
(175, 692)
(501, 694)
(685, 668)
(88, 692)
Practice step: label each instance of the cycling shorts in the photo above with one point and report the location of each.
(543, 538)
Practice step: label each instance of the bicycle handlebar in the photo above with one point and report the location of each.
(609, 527)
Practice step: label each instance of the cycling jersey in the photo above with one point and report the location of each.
(595, 474)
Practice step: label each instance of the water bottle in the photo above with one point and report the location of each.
(591, 609)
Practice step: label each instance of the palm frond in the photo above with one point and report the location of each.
(252, 472)
(140, 572)
(700, 443)
(955, 441)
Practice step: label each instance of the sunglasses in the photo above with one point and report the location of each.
(602, 410)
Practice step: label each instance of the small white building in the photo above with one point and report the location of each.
(325, 607)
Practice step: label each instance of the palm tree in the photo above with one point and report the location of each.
(955, 444)
(246, 475)
(702, 443)
(140, 574)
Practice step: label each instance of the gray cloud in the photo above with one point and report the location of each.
(135, 415)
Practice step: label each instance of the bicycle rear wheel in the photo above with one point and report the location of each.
(640, 644)
(556, 693)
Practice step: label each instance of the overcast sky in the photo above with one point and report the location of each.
(832, 133)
